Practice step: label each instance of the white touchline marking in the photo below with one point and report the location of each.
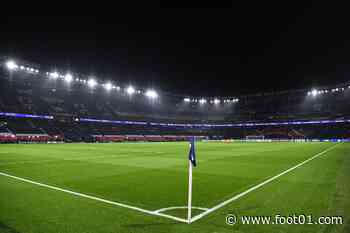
(179, 207)
(29, 161)
(97, 198)
(222, 204)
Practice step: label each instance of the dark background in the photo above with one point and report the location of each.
(232, 51)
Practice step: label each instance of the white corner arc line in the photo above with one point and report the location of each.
(222, 204)
(180, 207)
(97, 198)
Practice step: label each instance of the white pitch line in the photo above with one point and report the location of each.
(30, 161)
(179, 207)
(97, 198)
(222, 204)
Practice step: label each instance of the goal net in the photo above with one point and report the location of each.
(255, 138)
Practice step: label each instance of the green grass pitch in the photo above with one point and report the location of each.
(153, 176)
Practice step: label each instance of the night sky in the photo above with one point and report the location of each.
(206, 52)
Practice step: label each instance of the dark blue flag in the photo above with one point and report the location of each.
(192, 154)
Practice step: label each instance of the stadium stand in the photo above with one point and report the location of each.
(74, 112)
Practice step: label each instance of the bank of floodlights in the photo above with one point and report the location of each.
(108, 86)
(54, 75)
(68, 78)
(130, 90)
(152, 94)
(92, 83)
(202, 101)
(11, 65)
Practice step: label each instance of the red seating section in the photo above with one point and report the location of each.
(35, 138)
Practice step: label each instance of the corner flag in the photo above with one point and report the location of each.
(191, 163)
(192, 154)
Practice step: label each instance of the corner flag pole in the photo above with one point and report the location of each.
(189, 214)
(191, 163)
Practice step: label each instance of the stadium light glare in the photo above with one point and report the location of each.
(11, 65)
(130, 90)
(187, 100)
(54, 75)
(216, 101)
(314, 92)
(202, 101)
(68, 78)
(151, 94)
(92, 83)
(108, 86)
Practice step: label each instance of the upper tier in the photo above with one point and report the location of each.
(36, 93)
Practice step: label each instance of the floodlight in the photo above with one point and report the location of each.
(68, 78)
(22, 67)
(108, 86)
(11, 65)
(92, 83)
(151, 94)
(216, 101)
(314, 92)
(130, 90)
(187, 100)
(202, 101)
(54, 75)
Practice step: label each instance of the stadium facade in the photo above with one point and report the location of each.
(40, 106)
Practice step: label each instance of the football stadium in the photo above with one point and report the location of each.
(82, 153)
